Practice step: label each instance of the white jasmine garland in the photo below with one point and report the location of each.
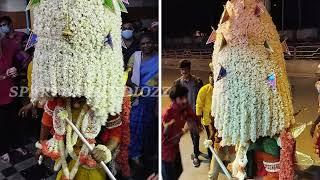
(245, 107)
(83, 67)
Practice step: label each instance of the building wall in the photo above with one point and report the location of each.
(16, 10)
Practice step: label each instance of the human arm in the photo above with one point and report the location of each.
(200, 103)
(167, 121)
(129, 83)
(111, 135)
(167, 125)
(46, 124)
(109, 140)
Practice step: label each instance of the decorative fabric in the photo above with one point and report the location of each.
(113, 123)
(246, 108)
(84, 173)
(272, 166)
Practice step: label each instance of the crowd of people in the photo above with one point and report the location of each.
(21, 120)
(190, 111)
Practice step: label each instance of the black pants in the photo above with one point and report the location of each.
(172, 170)
(10, 128)
(195, 141)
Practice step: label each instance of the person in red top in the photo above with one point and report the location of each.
(176, 121)
(10, 45)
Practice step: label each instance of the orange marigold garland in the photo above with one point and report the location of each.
(123, 156)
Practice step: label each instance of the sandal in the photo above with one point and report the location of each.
(5, 158)
(196, 162)
(22, 151)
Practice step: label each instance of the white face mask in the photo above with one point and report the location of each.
(127, 34)
(5, 29)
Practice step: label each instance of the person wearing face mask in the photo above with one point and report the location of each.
(130, 44)
(10, 45)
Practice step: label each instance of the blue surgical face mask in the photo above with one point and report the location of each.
(127, 34)
(5, 29)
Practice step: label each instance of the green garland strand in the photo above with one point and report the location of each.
(109, 4)
(32, 3)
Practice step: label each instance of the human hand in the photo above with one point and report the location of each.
(186, 128)
(207, 143)
(38, 154)
(24, 111)
(166, 125)
(153, 177)
(101, 153)
(12, 72)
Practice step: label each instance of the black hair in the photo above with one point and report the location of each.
(184, 63)
(178, 91)
(7, 19)
(146, 35)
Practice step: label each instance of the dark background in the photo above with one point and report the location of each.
(181, 17)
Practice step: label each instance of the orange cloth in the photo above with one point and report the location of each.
(47, 118)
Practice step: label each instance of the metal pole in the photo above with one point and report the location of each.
(224, 169)
(83, 139)
(27, 19)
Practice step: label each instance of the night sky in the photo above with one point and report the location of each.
(181, 17)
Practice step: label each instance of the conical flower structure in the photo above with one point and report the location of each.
(252, 97)
(78, 53)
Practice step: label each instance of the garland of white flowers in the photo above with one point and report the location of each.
(83, 66)
(244, 104)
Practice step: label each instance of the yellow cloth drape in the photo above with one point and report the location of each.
(29, 73)
(203, 104)
(85, 174)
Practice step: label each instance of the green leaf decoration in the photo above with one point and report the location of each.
(267, 145)
(109, 4)
(268, 47)
(31, 4)
(122, 6)
(271, 147)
